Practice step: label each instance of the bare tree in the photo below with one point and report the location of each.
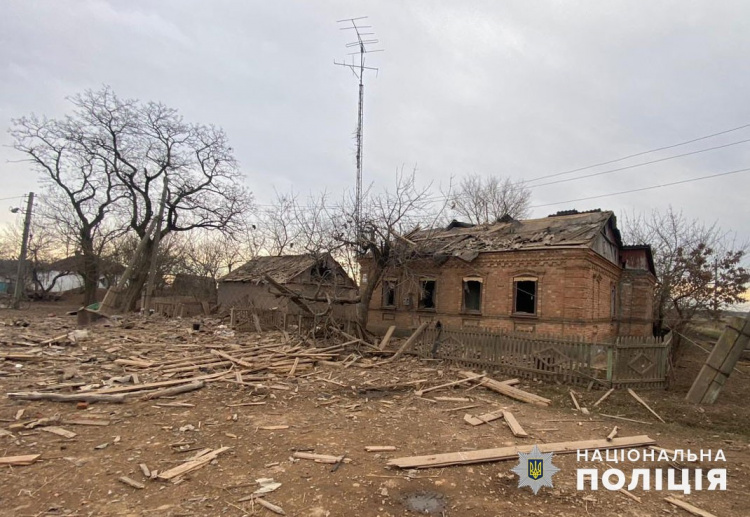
(484, 199)
(108, 159)
(699, 268)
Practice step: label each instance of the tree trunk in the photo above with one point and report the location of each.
(374, 273)
(90, 272)
(127, 300)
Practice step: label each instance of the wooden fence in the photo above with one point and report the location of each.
(624, 362)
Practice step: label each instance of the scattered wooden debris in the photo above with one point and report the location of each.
(273, 427)
(515, 427)
(630, 495)
(144, 469)
(508, 453)
(603, 397)
(131, 482)
(688, 507)
(176, 390)
(84, 421)
(452, 399)
(612, 434)
(639, 399)
(483, 419)
(617, 417)
(583, 410)
(380, 448)
(19, 461)
(421, 392)
(508, 391)
(195, 464)
(320, 458)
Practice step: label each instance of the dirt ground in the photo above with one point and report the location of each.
(328, 409)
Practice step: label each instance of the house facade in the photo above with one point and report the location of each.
(565, 275)
(308, 275)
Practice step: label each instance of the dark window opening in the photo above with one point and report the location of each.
(321, 270)
(473, 295)
(427, 294)
(525, 297)
(613, 303)
(389, 293)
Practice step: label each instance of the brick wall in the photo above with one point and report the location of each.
(573, 298)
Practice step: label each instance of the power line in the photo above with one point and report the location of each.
(641, 164)
(640, 154)
(644, 188)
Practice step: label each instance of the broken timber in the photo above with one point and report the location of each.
(511, 453)
(721, 362)
(59, 397)
(409, 342)
(18, 461)
(688, 507)
(508, 391)
(514, 426)
(643, 402)
(387, 337)
(192, 465)
(483, 419)
(419, 393)
(321, 458)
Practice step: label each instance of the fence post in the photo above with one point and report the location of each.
(231, 318)
(610, 362)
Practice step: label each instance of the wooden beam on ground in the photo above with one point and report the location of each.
(380, 448)
(419, 393)
(59, 431)
(688, 507)
(387, 337)
(417, 333)
(483, 419)
(611, 436)
(603, 397)
(643, 402)
(511, 453)
(509, 391)
(321, 458)
(169, 392)
(192, 465)
(73, 397)
(515, 427)
(233, 359)
(19, 461)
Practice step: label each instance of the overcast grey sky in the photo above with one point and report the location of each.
(513, 88)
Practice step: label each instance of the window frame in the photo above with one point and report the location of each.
(389, 282)
(464, 282)
(514, 308)
(423, 281)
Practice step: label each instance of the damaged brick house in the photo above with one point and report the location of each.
(567, 274)
(309, 275)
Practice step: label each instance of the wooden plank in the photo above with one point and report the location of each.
(639, 399)
(233, 359)
(387, 337)
(511, 453)
(419, 393)
(612, 434)
(320, 458)
(18, 461)
(380, 448)
(604, 397)
(509, 391)
(73, 397)
(270, 506)
(59, 431)
(134, 362)
(85, 421)
(131, 482)
(161, 384)
(688, 507)
(483, 419)
(515, 427)
(174, 390)
(578, 406)
(190, 466)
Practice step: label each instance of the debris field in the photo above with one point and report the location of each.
(136, 416)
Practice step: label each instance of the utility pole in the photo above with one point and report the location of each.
(20, 276)
(357, 66)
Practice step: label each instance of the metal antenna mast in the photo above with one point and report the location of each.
(357, 66)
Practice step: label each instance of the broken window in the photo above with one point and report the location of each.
(524, 296)
(389, 293)
(472, 295)
(427, 294)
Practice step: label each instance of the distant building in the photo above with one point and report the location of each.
(567, 274)
(246, 286)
